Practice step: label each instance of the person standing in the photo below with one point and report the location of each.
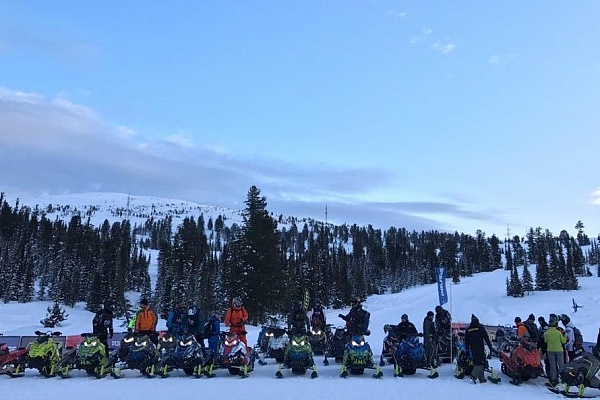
(102, 326)
(195, 324)
(236, 317)
(212, 330)
(430, 342)
(555, 341)
(146, 321)
(541, 343)
(522, 331)
(475, 339)
(570, 334)
(177, 321)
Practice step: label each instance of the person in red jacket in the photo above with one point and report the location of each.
(236, 317)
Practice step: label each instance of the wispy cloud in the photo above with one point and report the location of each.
(444, 48)
(596, 197)
(397, 14)
(421, 37)
(498, 59)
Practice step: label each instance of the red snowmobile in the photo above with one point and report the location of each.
(520, 360)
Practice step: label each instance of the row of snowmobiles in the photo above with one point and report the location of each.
(136, 352)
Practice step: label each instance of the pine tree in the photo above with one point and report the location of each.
(527, 280)
(55, 316)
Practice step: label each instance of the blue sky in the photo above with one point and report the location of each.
(458, 115)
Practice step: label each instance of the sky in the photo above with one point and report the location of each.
(482, 295)
(454, 116)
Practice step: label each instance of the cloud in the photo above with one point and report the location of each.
(397, 14)
(498, 59)
(422, 37)
(444, 48)
(596, 197)
(56, 146)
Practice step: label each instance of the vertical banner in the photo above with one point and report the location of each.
(306, 301)
(440, 273)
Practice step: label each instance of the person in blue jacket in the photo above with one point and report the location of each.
(212, 330)
(177, 323)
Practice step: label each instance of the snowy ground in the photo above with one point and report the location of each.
(482, 295)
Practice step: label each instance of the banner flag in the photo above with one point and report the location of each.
(440, 273)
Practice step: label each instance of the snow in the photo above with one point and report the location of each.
(482, 295)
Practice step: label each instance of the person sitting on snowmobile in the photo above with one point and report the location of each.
(357, 319)
(298, 322)
(405, 328)
(102, 326)
(317, 318)
(532, 328)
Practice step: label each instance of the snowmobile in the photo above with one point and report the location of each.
(446, 347)
(89, 356)
(13, 362)
(583, 372)
(337, 345)
(136, 352)
(272, 344)
(232, 355)
(390, 343)
(298, 356)
(186, 355)
(319, 339)
(464, 364)
(44, 353)
(520, 360)
(409, 356)
(357, 357)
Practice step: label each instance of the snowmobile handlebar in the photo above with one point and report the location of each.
(48, 333)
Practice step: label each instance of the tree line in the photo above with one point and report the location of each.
(268, 261)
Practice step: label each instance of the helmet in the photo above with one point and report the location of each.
(404, 317)
(192, 310)
(356, 301)
(564, 318)
(236, 302)
(438, 309)
(318, 303)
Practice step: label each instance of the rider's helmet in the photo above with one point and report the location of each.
(356, 302)
(192, 310)
(236, 302)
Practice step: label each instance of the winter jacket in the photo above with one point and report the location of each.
(146, 320)
(554, 340)
(357, 320)
(298, 321)
(429, 331)
(443, 321)
(570, 334)
(195, 322)
(532, 329)
(541, 343)
(236, 318)
(317, 318)
(177, 322)
(102, 324)
(405, 329)
(475, 339)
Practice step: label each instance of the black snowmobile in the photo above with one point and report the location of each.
(136, 352)
(583, 372)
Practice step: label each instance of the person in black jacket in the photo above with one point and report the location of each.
(541, 343)
(405, 328)
(475, 338)
(430, 339)
(357, 320)
(298, 322)
(102, 326)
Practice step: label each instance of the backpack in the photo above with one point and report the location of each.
(578, 337)
(532, 330)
